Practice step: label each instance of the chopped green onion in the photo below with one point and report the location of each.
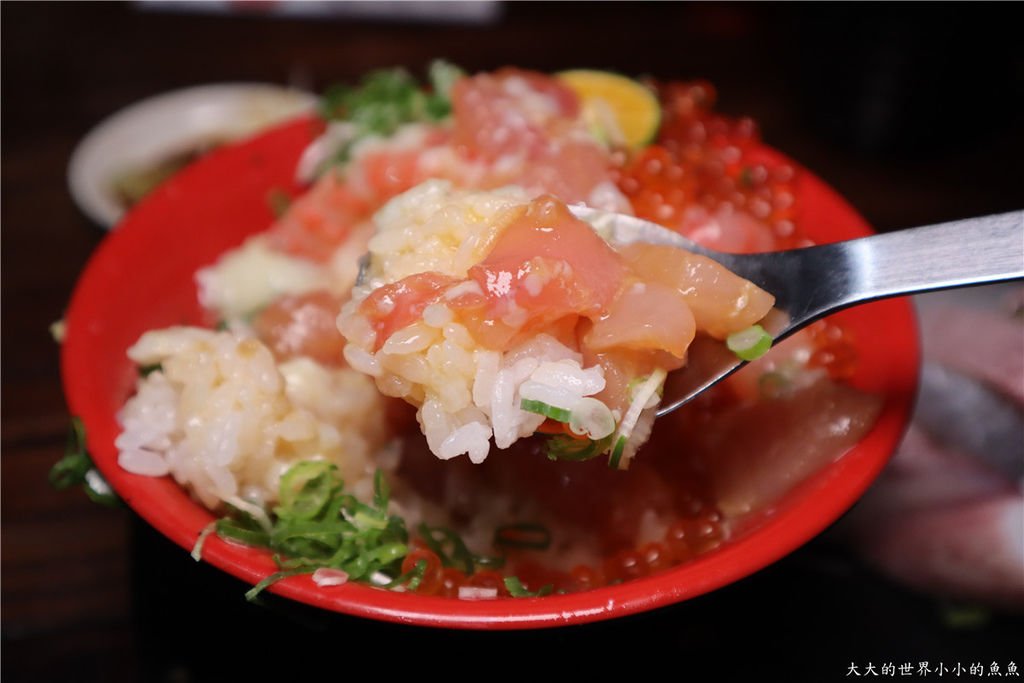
(643, 399)
(386, 99)
(386, 554)
(966, 616)
(254, 515)
(71, 469)
(517, 590)
(489, 561)
(436, 546)
(254, 592)
(98, 490)
(453, 551)
(642, 396)
(746, 177)
(562, 447)
(232, 530)
(592, 418)
(147, 370)
(316, 524)
(279, 201)
(57, 330)
(523, 535)
(381, 490)
(77, 468)
(773, 384)
(541, 408)
(364, 519)
(197, 549)
(305, 489)
(418, 571)
(443, 75)
(749, 344)
(412, 578)
(310, 530)
(616, 456)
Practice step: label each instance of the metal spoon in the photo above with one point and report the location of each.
(813, 282)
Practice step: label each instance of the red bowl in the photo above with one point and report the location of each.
(141, 277)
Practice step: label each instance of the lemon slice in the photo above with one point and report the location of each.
(619, 110)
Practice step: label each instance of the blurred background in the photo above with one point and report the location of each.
(912, 112)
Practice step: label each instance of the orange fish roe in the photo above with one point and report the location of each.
(834, 350)
(703, 165)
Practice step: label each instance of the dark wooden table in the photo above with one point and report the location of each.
(913, 114)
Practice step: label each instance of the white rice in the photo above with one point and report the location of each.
(226, 420)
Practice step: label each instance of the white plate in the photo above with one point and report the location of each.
(160, 127)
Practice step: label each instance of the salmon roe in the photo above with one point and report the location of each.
(488, 578)
(834, 350)
(704, 159)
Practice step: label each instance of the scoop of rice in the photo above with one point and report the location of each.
(226, 420)
(466, 394)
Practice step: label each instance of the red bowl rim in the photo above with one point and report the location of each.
(808, 510)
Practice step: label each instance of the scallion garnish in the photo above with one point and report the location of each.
(562, 447)
(57, 330)
(442, 77)
(517, 590)
(616, 456)
(489, 561)
(453, 551)
(541, 408)
(749, 344)
(278, 200)
(387, 98)
(254, 592)
(592, 418)
(746, 177)
(243, 530)
(147, 370)
(528, 535)
(76, 467)
(197, 549)
(410, 579)
(305, 489)
(773, 384)
(644, 397)
(316, 524)
(381, 490)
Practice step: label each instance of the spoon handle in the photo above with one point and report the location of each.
(813, 282)
(973, 251)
